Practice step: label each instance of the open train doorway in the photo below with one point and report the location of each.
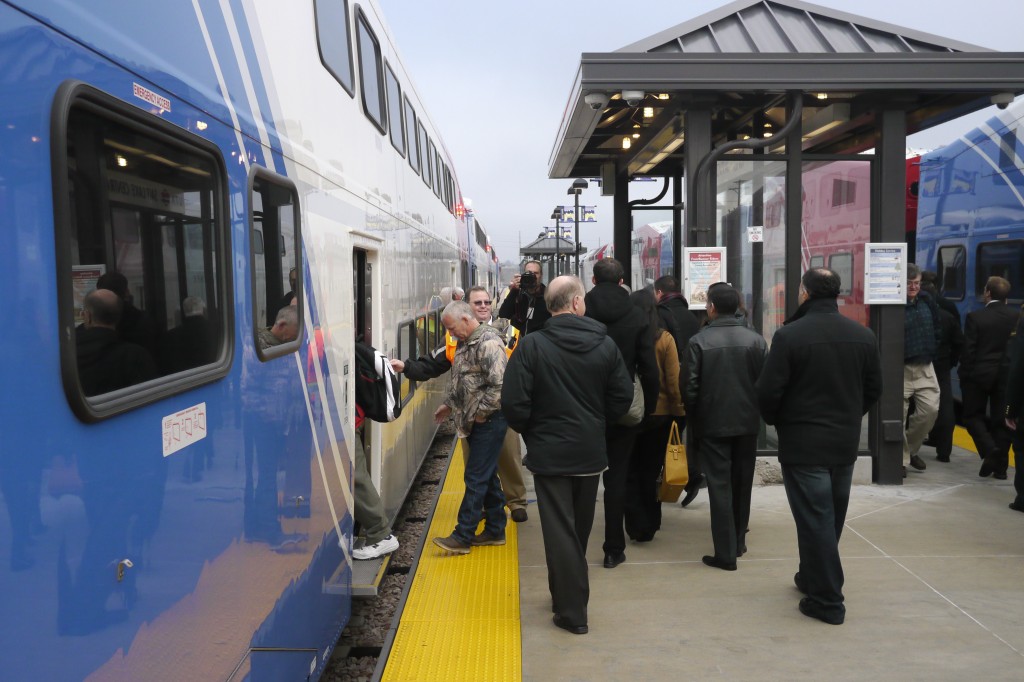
(365, 291)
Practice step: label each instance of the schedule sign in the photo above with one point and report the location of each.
(702, 267)
(885, 273)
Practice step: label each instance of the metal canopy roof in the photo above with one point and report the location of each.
(545, 245)
(740, 60)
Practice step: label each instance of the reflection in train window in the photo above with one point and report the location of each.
(842, 265)
(406, 343)
(370, 73)
(276, 280)
(1001, 259)
(141, 216)
(332, 35)
(953, 272)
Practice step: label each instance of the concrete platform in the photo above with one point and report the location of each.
(934, 591)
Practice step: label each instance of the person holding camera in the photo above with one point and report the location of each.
(524, 306)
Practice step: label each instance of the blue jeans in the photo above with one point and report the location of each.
(483, 491)
(819, 497)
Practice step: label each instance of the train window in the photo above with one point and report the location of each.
(437, 169)
(276, 280)
(370, 73)
(425, 163)
(410, 135)
(139, 211)
(842, 265)
(395, 109)
(843, 192)
(953, 272)
(817, 261)
(406, 342)
(332, 36)
(1001, 259)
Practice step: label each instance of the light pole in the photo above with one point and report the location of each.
(556, 215)
(578, 185)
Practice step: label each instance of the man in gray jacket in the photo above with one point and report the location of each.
(723, 362)
(563, 384)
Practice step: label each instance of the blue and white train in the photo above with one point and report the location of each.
(197, 523)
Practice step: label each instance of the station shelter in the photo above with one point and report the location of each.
(791, 119)
(556, 254)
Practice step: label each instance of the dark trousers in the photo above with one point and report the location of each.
(729, 469)
(483, 490)
(1018, 453)
(566, 505)
(983, 418)
(941, 435)
(619, 442)
(693, 464)
(642, 507)
(818, 497)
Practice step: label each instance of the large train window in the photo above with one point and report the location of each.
(406, 344)
(142, 255)
(425, 159)
(953, 272)
(1001, 259)
(410, 136)
(332, 36)
(395, 109)
(370, 73)
(842, 265)
(276, 272)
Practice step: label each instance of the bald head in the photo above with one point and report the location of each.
(102, 309)
(561, 295)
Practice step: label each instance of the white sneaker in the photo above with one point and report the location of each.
(378, 549)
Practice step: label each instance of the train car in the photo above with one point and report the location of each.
(177, 494)
(971, 211)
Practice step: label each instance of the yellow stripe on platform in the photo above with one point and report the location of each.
(962, 439)
(461, 619)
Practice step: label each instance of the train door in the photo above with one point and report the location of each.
(364, 261)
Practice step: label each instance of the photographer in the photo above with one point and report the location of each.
(524, 305)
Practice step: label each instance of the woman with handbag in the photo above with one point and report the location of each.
(643, 507)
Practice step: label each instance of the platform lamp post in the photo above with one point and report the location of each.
(578, 185)
(556, 215)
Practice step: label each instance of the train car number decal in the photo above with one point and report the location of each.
(184, 428)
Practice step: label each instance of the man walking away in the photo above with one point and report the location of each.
(822, 374)
(920, 344)
(723, 362)
(987, 334)
(563, 385)
(947, 355)
(627, 326)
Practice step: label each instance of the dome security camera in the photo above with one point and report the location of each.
(633, 97)
(596, 100)
(1002, 99)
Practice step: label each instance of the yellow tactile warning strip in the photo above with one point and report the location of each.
(962, 439)
(461, 619)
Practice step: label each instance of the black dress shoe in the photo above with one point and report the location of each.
(574, 629)
(987, 467)
(692, 488)
(613, 560)
(1017, 507)
(799, 582)
(715, 562)
(1001, 475)
(942, 458)
(811, 608)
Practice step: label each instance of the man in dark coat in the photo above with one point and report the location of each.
(628, 327)
(561, 387)
(986, 336)
(1014, 411)
(920, 385)
(134, 325)
(822, 375)
(682, 324)
(947, 355)
(105, 363)
(723, 361)
(524, 306)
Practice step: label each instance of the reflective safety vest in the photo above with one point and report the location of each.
(449, 347)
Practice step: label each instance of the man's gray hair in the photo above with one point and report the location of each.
(193, 306)
(289, 315)
(559, 294)
(457, 310)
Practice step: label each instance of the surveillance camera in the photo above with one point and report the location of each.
(633, 97)
(1002, 99)
(596, 100)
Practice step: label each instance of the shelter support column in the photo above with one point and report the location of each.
(622, 226)
(697, 125)
(885, 432)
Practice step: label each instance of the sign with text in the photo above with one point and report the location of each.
(885, 273)
(588, 214)
(184, 428)
(702, 267)
(755, 234)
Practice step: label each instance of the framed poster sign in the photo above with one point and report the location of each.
(885, 273)
(702, 267)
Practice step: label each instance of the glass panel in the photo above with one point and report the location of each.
(275, 272)
(369, 72)
(410, 135)
(652, 246)
(425, 156)
(333, 39)
(395, 110)
(405, 344)
(1001, 259)
(952, 272)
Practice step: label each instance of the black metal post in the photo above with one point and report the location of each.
(576, 215)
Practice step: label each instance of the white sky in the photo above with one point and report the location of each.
(495, 77)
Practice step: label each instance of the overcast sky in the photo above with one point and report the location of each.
(496, 76)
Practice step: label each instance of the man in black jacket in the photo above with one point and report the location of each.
(627, 326)
(562, 386)
(723, 361)
(1014, 411)
(105, 362)
(987, 334)
(524, 306)
(822, 375)
(947, 355)
(682, 324)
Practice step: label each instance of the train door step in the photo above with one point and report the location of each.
(366, 577)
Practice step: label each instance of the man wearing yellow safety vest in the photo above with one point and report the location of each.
(510, 462)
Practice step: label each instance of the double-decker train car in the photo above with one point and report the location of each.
(253, 186)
